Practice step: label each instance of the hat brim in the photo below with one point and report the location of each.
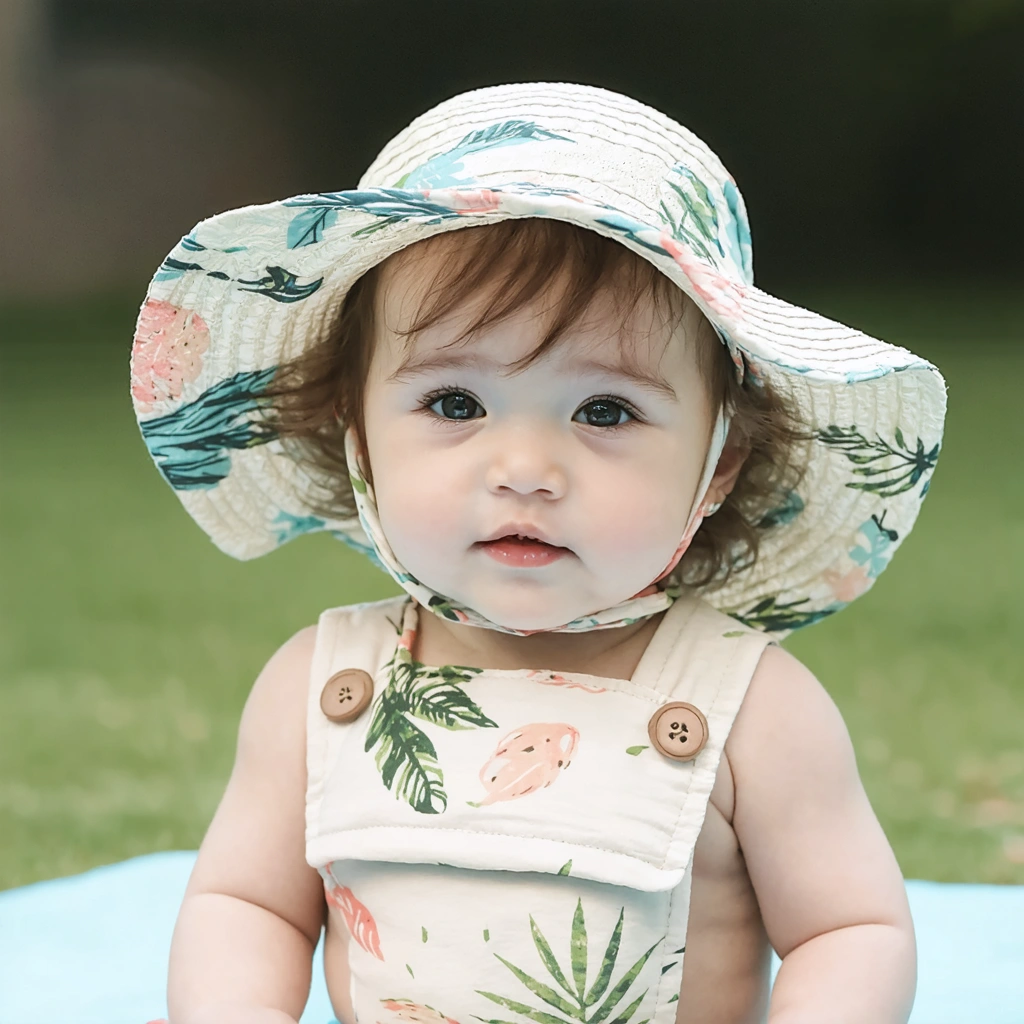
(265, 282)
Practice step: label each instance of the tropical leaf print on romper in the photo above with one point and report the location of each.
(578, 999)
(406, 757)
(527, 759)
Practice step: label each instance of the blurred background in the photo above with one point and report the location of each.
(879, 146)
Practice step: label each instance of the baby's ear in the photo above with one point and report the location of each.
(727, 472)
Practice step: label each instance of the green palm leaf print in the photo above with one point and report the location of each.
(579, 1001)
(405, 756)
(773, 616)
(406, 752)
(889, 470)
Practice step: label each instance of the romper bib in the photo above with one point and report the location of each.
(513, 846)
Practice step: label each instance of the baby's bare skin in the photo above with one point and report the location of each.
(791, 854)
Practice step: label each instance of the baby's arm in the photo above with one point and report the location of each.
(251, 917)
(830, 890)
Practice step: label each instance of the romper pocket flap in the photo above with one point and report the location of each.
(513, 771)
(492, 851)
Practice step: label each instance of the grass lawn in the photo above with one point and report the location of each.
(128, 642)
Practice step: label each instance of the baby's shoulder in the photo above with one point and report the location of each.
(789, 736)
(275, 712)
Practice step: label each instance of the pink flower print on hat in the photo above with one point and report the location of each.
(530, 758)
(167, 352)
(554, 679)
(723, 295)
(466, 201)
(416, 1013)
(361, 924)
(847, 587)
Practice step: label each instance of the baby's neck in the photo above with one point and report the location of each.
(613, 653)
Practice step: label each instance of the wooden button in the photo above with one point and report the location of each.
(678, 730)
(346, 694)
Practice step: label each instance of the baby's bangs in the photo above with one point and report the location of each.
(516, 262)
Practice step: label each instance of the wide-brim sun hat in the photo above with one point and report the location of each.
(251, 288)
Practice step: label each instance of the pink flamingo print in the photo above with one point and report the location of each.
(416, 1013)
(529, 758)
(554, 679)
(361, 924)
(167, 352)
(719, 292)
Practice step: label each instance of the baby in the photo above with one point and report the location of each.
(568, 775)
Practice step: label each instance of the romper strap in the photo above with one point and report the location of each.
(706, 658)
(362, 636)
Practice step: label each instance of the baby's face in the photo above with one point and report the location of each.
(570, 448)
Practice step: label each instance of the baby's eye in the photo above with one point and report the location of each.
(603, 412)
(454, 405)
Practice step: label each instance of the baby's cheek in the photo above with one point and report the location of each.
(637, 523)
(417, 511)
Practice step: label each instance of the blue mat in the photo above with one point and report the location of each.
(92, 949)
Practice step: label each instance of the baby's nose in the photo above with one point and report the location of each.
(527, 466)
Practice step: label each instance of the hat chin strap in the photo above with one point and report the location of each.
(700, 510)
(649, 601)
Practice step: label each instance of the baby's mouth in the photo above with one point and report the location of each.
(517, 550)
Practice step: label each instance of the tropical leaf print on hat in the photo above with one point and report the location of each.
(447, 168)
(696, 221)
(167, 352)
(773, 616)
(870, 557)
(578, 999)
(277, 283)
(792, 505)
(899, 467)
(406, 758)
(388, 205)
(359, 920)
(528, 759)
(191, 446)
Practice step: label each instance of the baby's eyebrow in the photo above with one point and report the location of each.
(411, 368)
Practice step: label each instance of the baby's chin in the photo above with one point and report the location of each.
(539, 612)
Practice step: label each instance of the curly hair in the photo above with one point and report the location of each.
(314, 396)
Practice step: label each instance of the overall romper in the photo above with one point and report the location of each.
(513, 845)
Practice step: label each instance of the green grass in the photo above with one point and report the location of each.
(129, 642)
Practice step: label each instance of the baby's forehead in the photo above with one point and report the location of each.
(594, 305)
(654, 364)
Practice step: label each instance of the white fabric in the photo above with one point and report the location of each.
(460, 888)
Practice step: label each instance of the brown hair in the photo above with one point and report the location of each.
(512, 263)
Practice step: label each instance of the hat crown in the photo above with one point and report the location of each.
(575, 139)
